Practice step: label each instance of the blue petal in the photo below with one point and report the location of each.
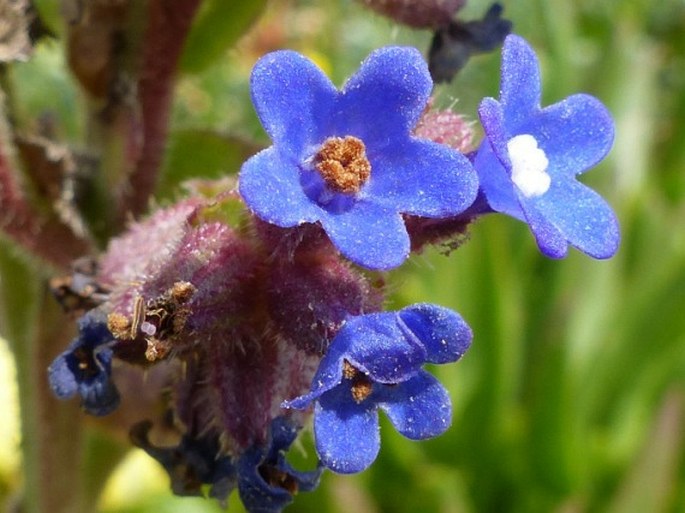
(492, 162)
(495, 182)
(293, 99)
(520, 83)
(575, 134)
(492, 117)
(223, 480)
(369, 235)
(270, 185)
(328, 375)
(190, 464)
(346, 433)
(306, 481)
(100, 398)
(283, 433)
(422, 178)
(551, 241)
(385, 98)
(93, 329)
(256, 494)
(379, 345)
(582, 217)
(85, 367)
(99, 395)
(442, 332)
(419, 408)
(62, 380)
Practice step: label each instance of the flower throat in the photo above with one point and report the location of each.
(343, 164)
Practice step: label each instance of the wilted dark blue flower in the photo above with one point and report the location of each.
(191, 464)
(529, 160)
(266, 482)
(346, 159)
(85, 367)
(375, 362)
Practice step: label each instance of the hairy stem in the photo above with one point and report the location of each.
(45, 237)
(169, 22)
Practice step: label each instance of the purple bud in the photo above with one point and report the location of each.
(445, 127)
(310, 298)
(417, 13)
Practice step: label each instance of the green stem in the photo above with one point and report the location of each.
(51, 430)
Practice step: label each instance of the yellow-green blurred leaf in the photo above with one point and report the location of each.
(218, 26)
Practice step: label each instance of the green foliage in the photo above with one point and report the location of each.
(201, 154)
(218, 26)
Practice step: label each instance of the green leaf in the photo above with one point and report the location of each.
(650, 482)
(201, 154)
(217, 27)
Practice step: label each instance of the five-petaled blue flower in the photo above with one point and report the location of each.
(347, 159)
(375, 362)
(85, 367)
(529, 160)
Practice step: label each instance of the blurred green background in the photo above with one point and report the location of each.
(572, 398)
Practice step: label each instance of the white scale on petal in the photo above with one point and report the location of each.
(528, 165)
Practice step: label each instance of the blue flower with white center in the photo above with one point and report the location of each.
(528, 163)
(374, 362)
(346, 158)
(85, 367)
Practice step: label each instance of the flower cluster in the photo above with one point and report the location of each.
(275, 315)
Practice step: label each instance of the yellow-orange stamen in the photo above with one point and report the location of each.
(349, 372)
(361, 389)
(343, 164)
(362, 386)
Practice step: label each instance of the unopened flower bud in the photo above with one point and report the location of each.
(417, 13)
(445, 127)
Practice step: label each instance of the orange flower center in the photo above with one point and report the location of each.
(343, 164)
(362, 386)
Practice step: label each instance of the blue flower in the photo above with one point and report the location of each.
(193, 463)
(86, 366)
(528, 163)
(347, 159)
(265, 481)
(375, 362)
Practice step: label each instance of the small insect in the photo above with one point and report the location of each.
(163, 318)
(155, 321)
